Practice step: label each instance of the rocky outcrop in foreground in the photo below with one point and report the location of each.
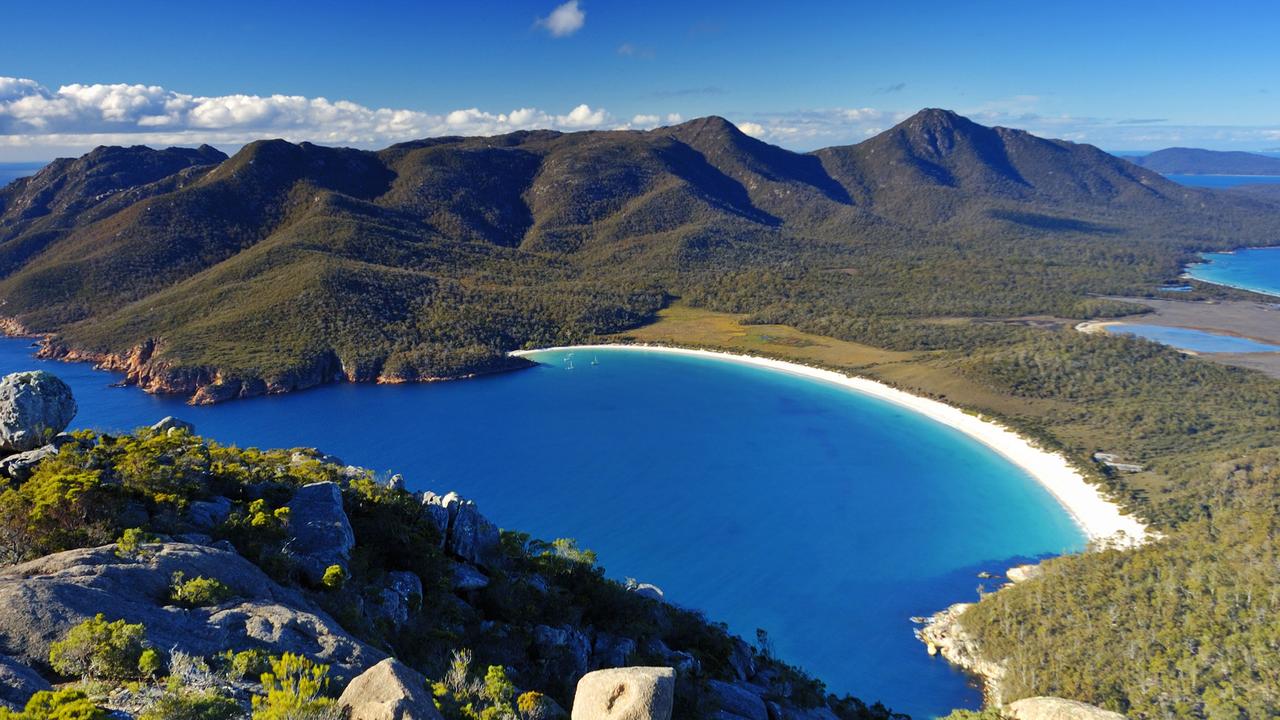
(320, 536)
(40, 601)
(632, 693)
(389, 690)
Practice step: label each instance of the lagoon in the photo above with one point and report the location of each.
(766, 499)
(1193, 340)
(1256, 269)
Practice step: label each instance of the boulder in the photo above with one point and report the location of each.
(466, 577)
(467, 534)
(564, 651)
(682, 662)
(784, 712)
(648, 590)
(1023, 573)
(632, 693)
(1052, 708)
(18, 683)
(397, 597)
(42, 599)
(34, 407)
(170, 423)
(396, 482)
(22, 465)
(389, 690)
(742, 659)
(434, 511)
(611, 651)
(209, 514)
(734, 701)
(320, 534)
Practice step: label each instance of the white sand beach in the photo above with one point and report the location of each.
(1098, 517)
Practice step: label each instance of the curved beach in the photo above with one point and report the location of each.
(1098, 517)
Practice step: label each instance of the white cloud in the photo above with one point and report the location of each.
(755, 130)
(582, 117)
(565, 20)
(77, 117)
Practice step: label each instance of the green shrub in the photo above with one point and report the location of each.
(100, 649)
(129, 544)
(533, 705)
(987, 714)
(150, 663)
(178, 703)
(57, 705)
(199, 591)
(334, 577)
(294, 688)
(246, 664)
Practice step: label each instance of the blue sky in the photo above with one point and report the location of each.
(1123, 75)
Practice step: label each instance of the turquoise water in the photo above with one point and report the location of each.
(1194, 340)
(1223, 181)
(1256, 269)
(763, 498)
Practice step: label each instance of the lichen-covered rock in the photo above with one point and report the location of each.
(632, 693)
(1052, 708)
(34, 406)
(18, 683)
(21, 465)
(41, 600)
(320, 534)
(389, 690)
(734, 701)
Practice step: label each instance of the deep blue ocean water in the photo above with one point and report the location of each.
(765, 499)
(1194, 340)
(1256, 269)
(1223, 181)
(12, 171)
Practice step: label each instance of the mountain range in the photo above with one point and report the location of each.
(290, 265)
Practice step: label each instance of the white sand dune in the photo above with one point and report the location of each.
(1098, 517)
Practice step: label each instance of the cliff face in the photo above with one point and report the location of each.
(943, 635)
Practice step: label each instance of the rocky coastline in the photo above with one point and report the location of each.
(144, 367)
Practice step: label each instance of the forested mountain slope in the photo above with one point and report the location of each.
(287, 265)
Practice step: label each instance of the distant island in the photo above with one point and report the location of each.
(1193, 161)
